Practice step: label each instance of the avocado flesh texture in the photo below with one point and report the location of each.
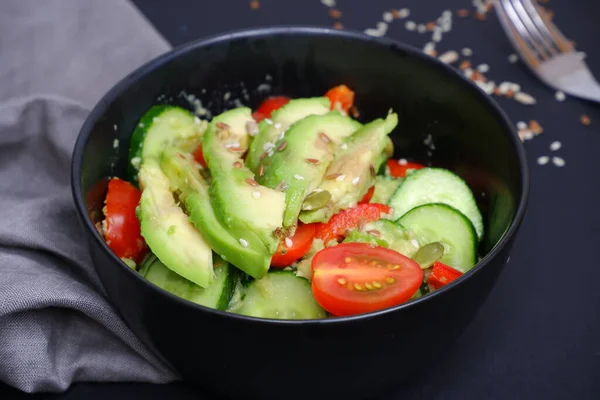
(364, 148)
(193, 193)
(167, 230)
(281, 120)
(245, 209)
(160, 127)
(304, 140)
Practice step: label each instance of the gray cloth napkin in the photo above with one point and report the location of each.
(57, 58)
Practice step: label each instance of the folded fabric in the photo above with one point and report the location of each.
(56, 324)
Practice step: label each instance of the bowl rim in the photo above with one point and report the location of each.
(306, 30)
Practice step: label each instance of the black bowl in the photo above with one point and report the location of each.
(352, 357)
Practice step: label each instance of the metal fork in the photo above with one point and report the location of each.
(545, 49)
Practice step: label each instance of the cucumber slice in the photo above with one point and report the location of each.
(163, 126)
(436, 185)
(394, 234)
(217, 295)
(442, 223)
(280, 295)
(385, 186)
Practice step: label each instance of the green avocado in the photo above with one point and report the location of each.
(254, 259)
(270, 130)
(353, 166)
(297, 162)
(163, 126)
(167, 230)
(246, 209)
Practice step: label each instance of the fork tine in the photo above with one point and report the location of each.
(546, 27)
(516, 32)
(544, 46)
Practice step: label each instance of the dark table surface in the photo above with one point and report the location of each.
(538, 335)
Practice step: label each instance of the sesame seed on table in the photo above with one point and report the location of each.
(538, 335)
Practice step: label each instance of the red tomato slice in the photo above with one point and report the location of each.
(398, 170)
(199, 157)
(122, 233)
(269, 105)
(441, 275)
(350, 218)
(300, 245)
(355, 278)
(368, 196)
(340, 96)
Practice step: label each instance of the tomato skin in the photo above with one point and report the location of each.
(122, 233)
(368, 196)
(302, 241)
(341, 94)
(356, 278)
(269, 105)
(442, 274)
(350, 218)
(398, 170)
(199, 156)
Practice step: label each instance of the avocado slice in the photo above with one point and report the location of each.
(298, 162)
(167, 230)
(193, 192)
(270, 130)
(243, 207)
(163, 126)
(353, 168)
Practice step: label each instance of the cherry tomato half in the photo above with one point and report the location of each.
(122, 233)
(340, 96)
(368, 196)
(442, 274)
(299, 246)
(398, 170)
(355, 278)
(350, 218)
(199, 157)
(269, 105)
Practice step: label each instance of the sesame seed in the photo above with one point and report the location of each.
(558, 161)
(387, 16)
(268, 121)
(282, 146)
(585, 120)
(581, 55)
(344, 146)
(299, 177)
(276, 125)
(402, 161)
(252, 128)
(380, 30)
(232, 144)
(116, 144)
(340, 178)
(556, 145)
(521, 125)
(355, 180)
(141, 125)
(324, 137)
(328, 3)
(429, 48)
(437, 35)
(543, 160)
(268, 146)
(560, 96)
(288, 242)
(402, 13)
(410, 26)
(449, 57)
(414, 242)
(251, 182)
(524, 98)
(270, 153)
(483, 68)
(226, 96)
(513, 58)
(468, 72)
(243, 242)
(467, 52)
(421, 28)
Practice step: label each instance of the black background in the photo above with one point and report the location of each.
(538, 336)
